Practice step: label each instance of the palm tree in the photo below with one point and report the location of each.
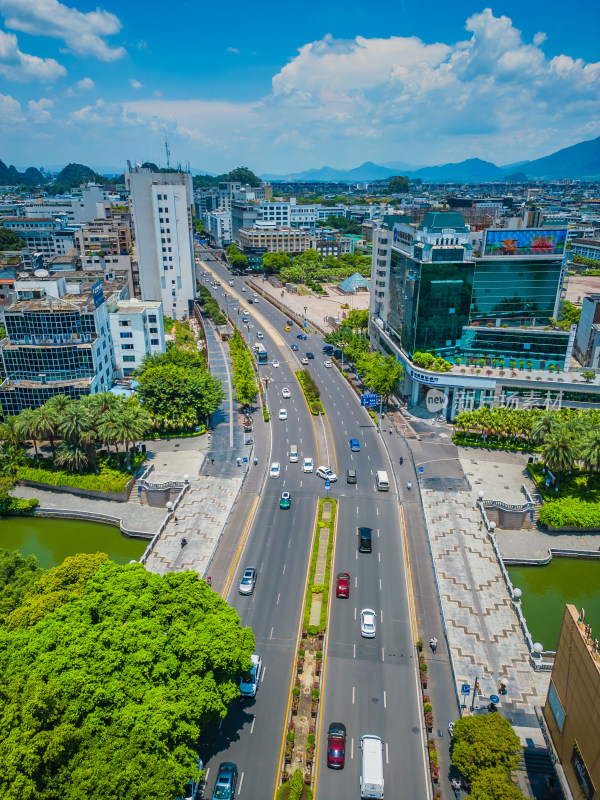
(131, 426)
(74, 455)
(47, 424)
(10, 431)
(544, 426)
(590, 452)
(26, 424)
(559, 451)
(109, 428)
(75, 422)
(59, 403)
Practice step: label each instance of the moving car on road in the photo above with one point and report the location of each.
(248, 581)
(342, 585)
(304, 360)
(327, 474)
(285, 392)
(275, 469)
(226, 781)
(283, 413)
(307, 465)
(287, 328)
(354, 445)
(275, 363)
(367, 623)
(249, 682)
(301, 336)
(243, 288)
(365, 539)
(327, 364)
(350, 476)
(286, 500)
(294, 347)
(310, 355)
(336, 745)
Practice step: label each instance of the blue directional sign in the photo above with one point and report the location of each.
(421, 470)
(328, 484)
(465, 689)
(245, 460)
(368, 400)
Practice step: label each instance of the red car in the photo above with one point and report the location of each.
(336, 745)
(342, 586)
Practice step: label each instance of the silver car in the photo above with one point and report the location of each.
(248, 581)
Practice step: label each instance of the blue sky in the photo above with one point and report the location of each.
(282, 87)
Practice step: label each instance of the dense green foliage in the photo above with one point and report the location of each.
(244, 377)
(105, 478)
(309, 266)
(184, 338)
(321, 589)
(482, 743)
(177, 388)
(10, 241)
(311, 391)
(569, 315)
(108, 676)
(381, 374)
(570, 513)
(210, 306)
(342, 223)
(275, 262)
(586, 262)
(398, 185)
(16, 575)
(295, 789)
(429, 361)
(242, 174)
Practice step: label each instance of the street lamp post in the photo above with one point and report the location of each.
(266, 380)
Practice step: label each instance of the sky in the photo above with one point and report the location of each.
(281, 87)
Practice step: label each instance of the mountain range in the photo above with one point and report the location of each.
(580, 161)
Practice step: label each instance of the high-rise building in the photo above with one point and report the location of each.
(162, 215)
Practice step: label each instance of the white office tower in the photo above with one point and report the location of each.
(162, 216)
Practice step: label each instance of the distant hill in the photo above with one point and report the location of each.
(10, 176)
(580, 161)
(74, 175)
(366, 172)
(471, 170)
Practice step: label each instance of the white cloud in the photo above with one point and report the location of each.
(18, 66)
(135, 84)
(10, 110)
(82, 32)
(539, 38)
(85, 84)
(232, 50)
(38, 110)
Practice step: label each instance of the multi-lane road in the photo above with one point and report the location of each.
(370, 685)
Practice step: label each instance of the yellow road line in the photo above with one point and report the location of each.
(295, 657)
(411, 596)
(236, 558)
(324, 660)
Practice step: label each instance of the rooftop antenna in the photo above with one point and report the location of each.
(168, 152)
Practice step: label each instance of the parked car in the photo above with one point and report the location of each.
(248, 581)
(350, 476)
(283, 413)
(226, 781)
(285, 392)
(275, 469)
(307, 465)
(327, 474)
(336, 745)
(250, 681)
(354, 445)
(367, 623)
(342, 585)
(286, 500)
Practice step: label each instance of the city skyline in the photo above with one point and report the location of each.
(282, 91)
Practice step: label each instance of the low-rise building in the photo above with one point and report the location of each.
(274, 240)
(588, 248)
(137, 330)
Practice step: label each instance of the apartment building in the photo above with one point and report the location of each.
(137, 330)
(272, 240)
(44, 235)
(161, 204)
(588, 248)
(217, 227)
(89, 205)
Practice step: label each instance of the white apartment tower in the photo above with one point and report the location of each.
(161, 204)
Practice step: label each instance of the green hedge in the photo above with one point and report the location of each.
(18, 505)
(570, 513)
(109, 480)
(492, 442)
(321, 588)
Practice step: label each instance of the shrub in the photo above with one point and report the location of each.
(109, 480)
(570, 512)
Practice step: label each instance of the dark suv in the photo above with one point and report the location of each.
(226, 781)
(365, 537)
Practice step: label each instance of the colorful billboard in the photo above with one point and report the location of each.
(525, 242)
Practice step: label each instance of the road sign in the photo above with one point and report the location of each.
(328, 484)
(465, 689)
(421, 470)
(245, 460)
(368, 400)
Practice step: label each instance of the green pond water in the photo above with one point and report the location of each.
(52, 540)
(547, 589)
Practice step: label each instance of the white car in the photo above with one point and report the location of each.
(275, 363)
(304, 360)
(231, 283)
(285, 392)
(243, 288)
(250, 681)
(327, 364)
(259, 334)
(307, 465)
(367, 623)
(327, 474)
(255, 298)
(275, 469)
(283, 413)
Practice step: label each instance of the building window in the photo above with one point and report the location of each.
(152, 318)
(153, 330)
(128, 359)
(127, 347)
(124, 323)
(126, 335)
(154, 341)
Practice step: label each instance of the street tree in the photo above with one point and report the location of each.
(170, 390)
(494, 784)
(484, 742)
(275, 262)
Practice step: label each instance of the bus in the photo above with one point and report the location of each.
(261, 353)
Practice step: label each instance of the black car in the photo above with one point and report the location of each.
(365, 539)
(226, 781)
(350, 476)
(310, 355)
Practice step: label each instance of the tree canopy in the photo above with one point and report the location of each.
(398, 185)
(106, 695)
(177, 392)
(9, 240)
(485, 742)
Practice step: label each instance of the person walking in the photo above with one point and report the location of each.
(433, 643)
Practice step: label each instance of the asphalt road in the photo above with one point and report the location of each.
(370, 685)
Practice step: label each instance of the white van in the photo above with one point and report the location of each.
(382, 480)
(371, 767)
(294, 454)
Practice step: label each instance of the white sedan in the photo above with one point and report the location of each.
(283, 413)
(327, 474)
(367, 623)
(304, 360)
(243, 288)
(307, 465)
(275, 469)
(275, 363)
(285, 392)
(327, 364)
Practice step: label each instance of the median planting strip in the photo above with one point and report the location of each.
(311, 391)
(301, 733)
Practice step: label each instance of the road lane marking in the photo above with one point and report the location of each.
(236, 558)
(383, 653)
(290, 542)
(279, 595)
(355, 613)
(377, 511)
(353, 688)
(387, 754)
(253, 721)
(381, 612)
(354, 650)
(384, 699)
(263, 674)
(379, 556)
(379, 589)
(377, 531)
(284, 566)
(351, 748)
(271, 634)
(239, 791)
(355, 581)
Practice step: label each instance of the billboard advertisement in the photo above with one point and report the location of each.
(525, 242)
